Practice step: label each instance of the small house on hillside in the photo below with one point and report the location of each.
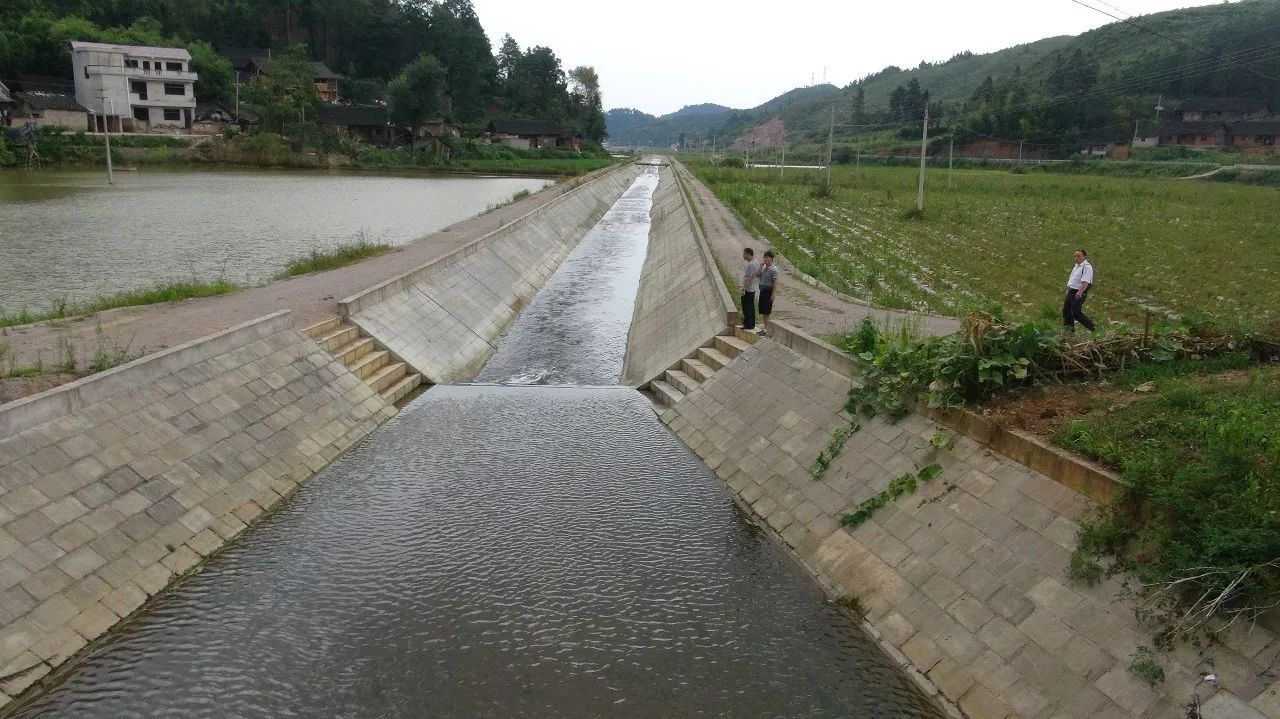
(43, 101)
(370, 124)
(1220, 109)
(6, 105)
(532, 134)
(1221, 122)
(250, 62)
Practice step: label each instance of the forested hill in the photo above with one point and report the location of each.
(629, 126)
(369, 42)
(1061, 92)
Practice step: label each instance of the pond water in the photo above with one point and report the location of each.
(67, 234)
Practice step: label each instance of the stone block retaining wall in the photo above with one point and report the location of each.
(113, 486)
(443, 317)
(682, 302)
(964, 582)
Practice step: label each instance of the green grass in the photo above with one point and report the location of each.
(1000, 239)
(168, 292)
(1201, 459)
(341, 256)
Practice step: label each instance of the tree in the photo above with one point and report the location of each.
(216, 79)
(860, 106)
(284, 99)
(536, 86)
(460, 44)
(417, 93)
(508, 57)
(587, 103)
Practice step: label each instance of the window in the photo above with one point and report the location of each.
(138, 88)
(131, 63)
(175, 88)
(146, 64)
(141, 114)
(173, 66)
(172, 114)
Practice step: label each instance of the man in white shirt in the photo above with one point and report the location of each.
(750, 283)
(1078, 284)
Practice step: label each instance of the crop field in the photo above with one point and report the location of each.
(1003, 239)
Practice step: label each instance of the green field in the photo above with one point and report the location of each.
(1002, 239)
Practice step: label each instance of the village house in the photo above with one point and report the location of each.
(370, 124)
(42, 101)
(133, 88)
(1221, 123)
(250, 62)
(6, 105)
(532, 134)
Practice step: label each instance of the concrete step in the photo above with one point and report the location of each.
(343, 334)
(748, 336)
(731, 346)
(666, 395)
(365, 366)
(681, 381)
(712, 358)
(397, 391)
(352, 351)
(387, 376)
(323, 327)
(697, 369)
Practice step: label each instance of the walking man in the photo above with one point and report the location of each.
(1078, 284)
(750, 282)
(768, 285)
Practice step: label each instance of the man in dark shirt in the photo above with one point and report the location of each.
(768, 286)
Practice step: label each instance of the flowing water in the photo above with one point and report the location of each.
(66, 234)
(506, 551)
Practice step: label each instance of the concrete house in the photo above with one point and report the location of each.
(532, 134)
(1216, 122)
(130, 88)
(41, 101)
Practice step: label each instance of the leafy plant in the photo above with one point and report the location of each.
(831, 451)
(1144, 663)
(906, 484)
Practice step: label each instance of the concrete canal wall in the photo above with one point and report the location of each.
(443, 317)
(963, 582)
(113, 486)
(682, 302)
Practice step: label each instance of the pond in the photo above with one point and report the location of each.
(66, 234)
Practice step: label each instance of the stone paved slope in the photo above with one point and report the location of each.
(114, 486)
(965, 580)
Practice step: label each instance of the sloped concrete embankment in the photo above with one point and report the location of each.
(963, 582)
(113, 486)
(682, 302)
(443, 317)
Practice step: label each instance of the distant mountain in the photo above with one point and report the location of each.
(696, 123)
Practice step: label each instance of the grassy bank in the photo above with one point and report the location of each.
(168, 292)
(998, 238)
(341, 256)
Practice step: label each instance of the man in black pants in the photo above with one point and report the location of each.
(750, 282)
(1078, 284)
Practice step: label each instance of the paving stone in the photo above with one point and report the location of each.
(922, 652)
(970, 612)
(94, 621)
(1126, 689)
(46, 583)
(1004, 638)
(125, 600)
(1045, 629)
(53, 613)
(980, 703)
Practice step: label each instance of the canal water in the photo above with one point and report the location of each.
(83, 238)
(505, 551)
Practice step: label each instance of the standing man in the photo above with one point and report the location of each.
(1078, 284)
(768, 285)
(750, 283)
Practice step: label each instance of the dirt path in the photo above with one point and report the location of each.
(807, 307)
(149, 328)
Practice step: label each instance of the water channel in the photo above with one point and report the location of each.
(82, 238)
(502, 550)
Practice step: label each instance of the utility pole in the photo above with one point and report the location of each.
(237, 97)
(951, 162)
(831, 132)
(106, 134)
(924, 144)
(753, 142)
(782, 166)
(1020, 151)
(1135, 133)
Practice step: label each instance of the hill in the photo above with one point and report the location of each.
(628, 126)
(1055, 94)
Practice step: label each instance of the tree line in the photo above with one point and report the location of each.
(383, 48)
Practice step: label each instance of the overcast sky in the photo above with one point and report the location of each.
(661, 55)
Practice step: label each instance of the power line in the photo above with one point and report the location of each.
(1134, 23)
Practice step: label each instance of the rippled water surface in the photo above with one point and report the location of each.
(575, 329)
(497, 551)
(67, 234)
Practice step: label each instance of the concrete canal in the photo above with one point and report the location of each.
(504, 551)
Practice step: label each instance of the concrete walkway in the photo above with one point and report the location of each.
(312, 298)
(807, 307)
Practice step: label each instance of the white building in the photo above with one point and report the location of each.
(138, 89)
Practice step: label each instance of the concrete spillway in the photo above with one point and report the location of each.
(514, 551)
